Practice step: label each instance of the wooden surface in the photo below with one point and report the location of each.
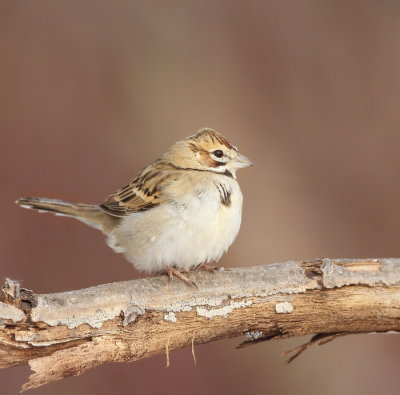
(66, 333)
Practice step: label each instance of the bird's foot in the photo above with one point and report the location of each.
(210, 268)
(174, 272)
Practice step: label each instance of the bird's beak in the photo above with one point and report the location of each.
(242, 161)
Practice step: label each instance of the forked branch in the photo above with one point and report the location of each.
(66, 333)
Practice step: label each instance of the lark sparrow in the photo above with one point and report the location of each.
(180, 212)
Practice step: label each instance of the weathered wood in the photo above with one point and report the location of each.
(66, 333)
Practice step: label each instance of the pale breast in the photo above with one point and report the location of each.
(198, 225)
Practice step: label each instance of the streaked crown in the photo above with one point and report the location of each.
(207, 150)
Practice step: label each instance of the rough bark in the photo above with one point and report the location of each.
(66, 333)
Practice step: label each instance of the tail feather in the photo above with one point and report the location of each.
(56, 206)
(90, 214)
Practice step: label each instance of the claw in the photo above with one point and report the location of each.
(210, 268)
(174, 272)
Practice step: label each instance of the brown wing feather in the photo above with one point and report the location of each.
(144, 192)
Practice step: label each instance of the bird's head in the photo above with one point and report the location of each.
(207, 150)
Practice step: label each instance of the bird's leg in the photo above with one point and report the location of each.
(174, 272)
(209, 268)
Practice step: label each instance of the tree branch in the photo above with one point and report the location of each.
(66, 333)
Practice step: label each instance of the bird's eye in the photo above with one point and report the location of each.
(218, 153)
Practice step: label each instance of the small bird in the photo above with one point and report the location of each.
(180, 212)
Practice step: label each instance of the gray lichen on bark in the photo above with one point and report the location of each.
(94, 306)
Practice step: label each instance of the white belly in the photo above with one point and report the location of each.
(185, 234)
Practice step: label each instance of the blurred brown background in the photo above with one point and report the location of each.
(92, 91)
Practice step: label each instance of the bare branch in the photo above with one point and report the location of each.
(66, 333)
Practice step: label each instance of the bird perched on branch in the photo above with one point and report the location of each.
(180, 212)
